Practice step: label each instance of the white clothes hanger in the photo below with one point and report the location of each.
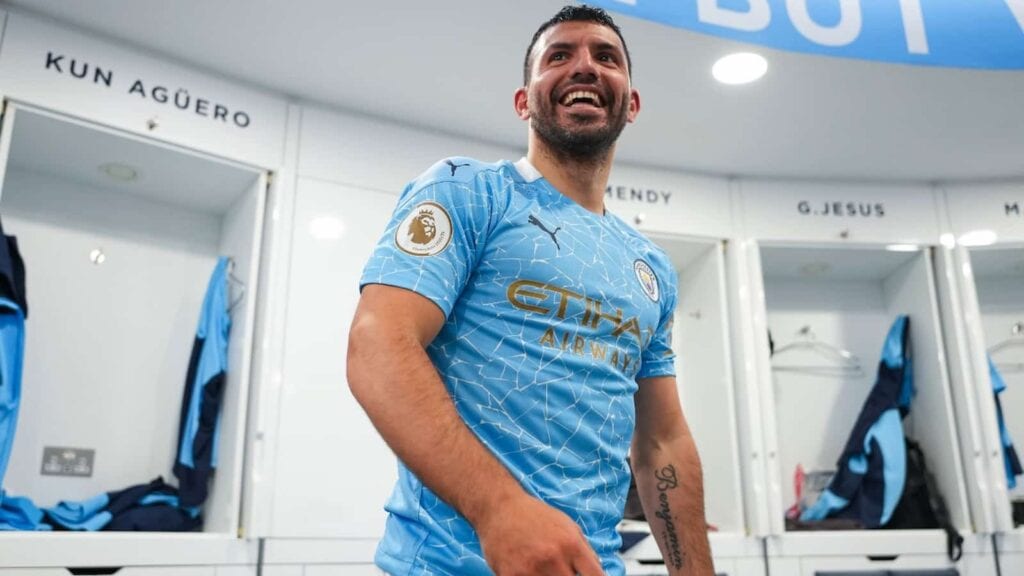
(839, 361)
(1016, 340)
(238, 285)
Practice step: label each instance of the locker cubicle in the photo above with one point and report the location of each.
(122, 206)
(985, 245)
(830, 269)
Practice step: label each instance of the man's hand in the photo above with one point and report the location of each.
(527, 537)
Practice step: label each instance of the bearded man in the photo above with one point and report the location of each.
(514, 360)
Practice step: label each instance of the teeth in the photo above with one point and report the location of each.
(581, 94)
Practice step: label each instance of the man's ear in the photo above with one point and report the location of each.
(634, 104)
(519, 101)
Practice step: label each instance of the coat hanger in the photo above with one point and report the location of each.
(236, 284)
(1015, 340)
(839, 361)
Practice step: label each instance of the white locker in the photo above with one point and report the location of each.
(116, 275)
(831, 268)
(986, 249)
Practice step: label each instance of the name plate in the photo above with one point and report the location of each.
(984, 208)
(840, 213)
(663, 202)
(51, 67)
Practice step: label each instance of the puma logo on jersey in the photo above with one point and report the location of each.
(539, 224)
(455, 166)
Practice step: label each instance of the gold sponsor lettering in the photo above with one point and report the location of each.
(631, 326)
(521, 288)
(585, 347)
(578, 344)
(547, 299)
(598, 316)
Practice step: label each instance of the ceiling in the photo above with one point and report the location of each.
(452, 66)
(42, 143)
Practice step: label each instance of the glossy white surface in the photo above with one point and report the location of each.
(29, 44)
(998, 207)
(836, 212)
(333, 471)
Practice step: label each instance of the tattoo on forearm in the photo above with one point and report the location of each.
(668, 480)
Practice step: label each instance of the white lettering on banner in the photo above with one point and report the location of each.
(757, 18)
(1017, 7)
(844, 32)
(913, 26)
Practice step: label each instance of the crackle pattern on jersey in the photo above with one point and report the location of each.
(552, 313)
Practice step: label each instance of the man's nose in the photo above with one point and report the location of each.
(584, 68)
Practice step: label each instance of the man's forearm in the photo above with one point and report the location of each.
(672, 493)
(393, 379)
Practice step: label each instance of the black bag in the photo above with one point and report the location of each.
(922, 505)
(634, 510)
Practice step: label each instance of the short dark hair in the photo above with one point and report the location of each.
(572, 13)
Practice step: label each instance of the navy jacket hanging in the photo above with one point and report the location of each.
(871, 471)
(204, 389)
(1011, 462)
(13, 311)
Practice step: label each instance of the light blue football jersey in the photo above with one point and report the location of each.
(552, 313)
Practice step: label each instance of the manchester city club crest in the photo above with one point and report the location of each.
(426, 231)
(648, 281)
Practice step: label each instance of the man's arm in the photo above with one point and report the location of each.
(394, 380)
(669, 478)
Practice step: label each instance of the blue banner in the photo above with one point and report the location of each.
(953, 33)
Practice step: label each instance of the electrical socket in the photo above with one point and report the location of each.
(63, 461)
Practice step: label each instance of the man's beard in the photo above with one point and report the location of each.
(581, 143)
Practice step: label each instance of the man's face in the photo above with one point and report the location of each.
(579, 96)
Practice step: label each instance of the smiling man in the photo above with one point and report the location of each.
(513, 356)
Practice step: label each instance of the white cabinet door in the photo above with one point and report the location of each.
(332, 472)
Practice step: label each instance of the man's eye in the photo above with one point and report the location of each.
(559, 56)
(606, 58)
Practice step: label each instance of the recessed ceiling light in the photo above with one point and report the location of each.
(978, 238)
(119, 172)
(948, 240)
(902, 247)
(739, 68)
(815, 268)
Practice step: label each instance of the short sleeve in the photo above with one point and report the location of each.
(433, 241)
(658, 358)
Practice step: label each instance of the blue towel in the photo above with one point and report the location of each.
(153, 506)
(18, 513)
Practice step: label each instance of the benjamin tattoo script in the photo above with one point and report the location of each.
(668, 480)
